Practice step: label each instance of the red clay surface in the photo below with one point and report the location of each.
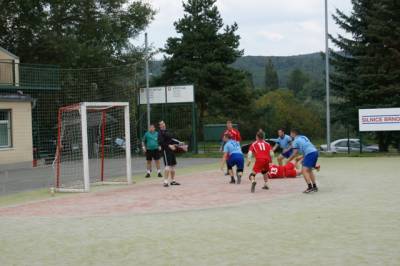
(198, 191)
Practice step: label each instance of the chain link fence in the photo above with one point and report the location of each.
(49, 88)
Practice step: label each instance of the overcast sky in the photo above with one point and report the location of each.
(266, 27)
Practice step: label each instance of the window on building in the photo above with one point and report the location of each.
(5, 129)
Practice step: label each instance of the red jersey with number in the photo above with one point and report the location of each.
(279, 171)
(261, 150)
(276, 171)
(235, 134)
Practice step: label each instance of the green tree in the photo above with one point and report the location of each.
(72, 33)
(271, 76)
(367, 71)
(202, 55)
(297, 80)
(313, 90)
(280, 108)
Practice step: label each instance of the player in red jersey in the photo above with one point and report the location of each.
(233, 132)
(289, 170)
(262, 152)
(284, 171)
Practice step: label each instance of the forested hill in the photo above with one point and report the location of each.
(311, 64)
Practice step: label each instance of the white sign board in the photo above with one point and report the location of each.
(157, 95)
(170, 94)
(180, 94)
(387, 119)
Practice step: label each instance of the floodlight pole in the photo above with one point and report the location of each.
(147, 80)
(328, 112)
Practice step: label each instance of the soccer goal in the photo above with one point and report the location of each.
(93, 146)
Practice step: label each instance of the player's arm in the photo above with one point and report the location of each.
(249, 157)
(294, 154)
(144, 143)
(239, 137)
(175, 141)
(224, 159)
(221, 148)
(298, 160)
(287, 149)
(275, 147)
(161, 142)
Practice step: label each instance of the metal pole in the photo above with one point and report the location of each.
(147, 80)
(194, 129)
(328, 111)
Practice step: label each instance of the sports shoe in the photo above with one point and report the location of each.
(232, 181)
(147, 175)
(253, 187)
(174, 183)
(266, 187)
(239, 179)
(159, 175)
(315, 189)
(166, 185)
(308, 191)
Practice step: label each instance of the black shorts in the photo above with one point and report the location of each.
(152, 155)
(169, 158)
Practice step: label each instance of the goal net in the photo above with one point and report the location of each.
(93, 146)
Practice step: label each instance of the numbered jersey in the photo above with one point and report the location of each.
(261, 150)
(276, 171)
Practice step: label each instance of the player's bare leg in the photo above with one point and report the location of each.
(172, 174)
(266, 187)
(313, 180)
(148, 166)
(158, 166)
(166, 176)
(252, 178)
(280, 159)
(239, 177)
(230, 172)
(307, 177)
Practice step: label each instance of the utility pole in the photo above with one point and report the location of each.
(328, 111)
(147, 79)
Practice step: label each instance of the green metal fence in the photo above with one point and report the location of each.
(180, 118)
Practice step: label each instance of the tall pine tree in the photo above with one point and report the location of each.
(367, 67)
(297, 81)
(202, 55)
(271, 76)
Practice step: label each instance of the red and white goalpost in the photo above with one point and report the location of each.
(93, 146)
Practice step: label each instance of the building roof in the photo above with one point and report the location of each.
(9, 53)
(15, 98)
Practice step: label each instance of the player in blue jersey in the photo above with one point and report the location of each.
(284, 142)
(301, 144)
(233, 156)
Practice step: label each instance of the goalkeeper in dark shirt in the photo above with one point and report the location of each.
(168, 146)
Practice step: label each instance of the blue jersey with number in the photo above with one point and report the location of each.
(232, 146)
(303, 144)
(284, 142)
